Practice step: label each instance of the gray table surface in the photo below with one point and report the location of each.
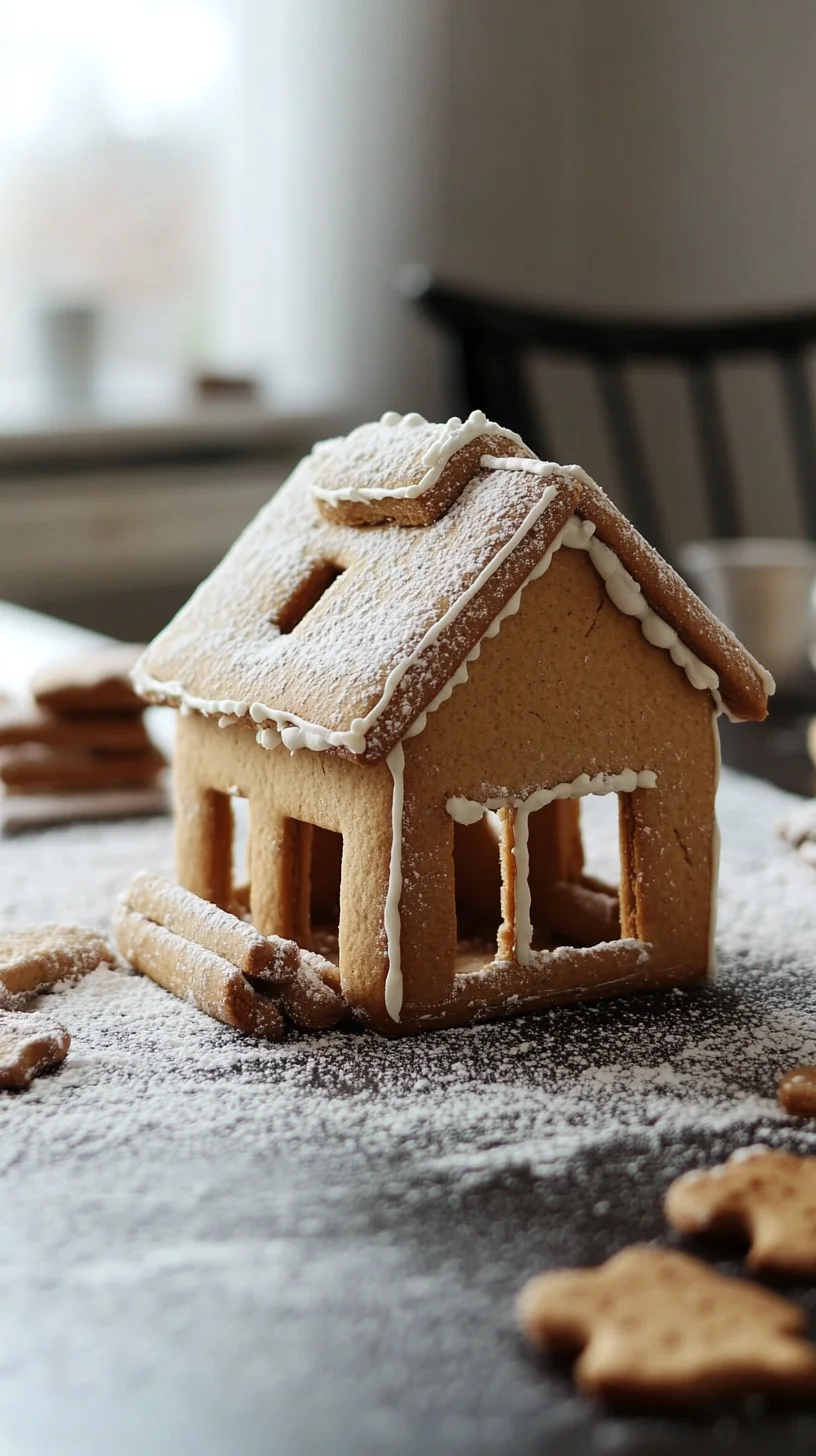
(211, 1245)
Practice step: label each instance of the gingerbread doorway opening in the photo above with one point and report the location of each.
(239, 857)
(600, 825)
(575, 901)
(477, 890)
(324, 893)
(311, 859)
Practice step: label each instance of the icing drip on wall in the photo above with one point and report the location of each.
(393, 980)
(452, 437)
(469, 811)
(715, 856)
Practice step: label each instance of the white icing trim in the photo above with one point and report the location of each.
(577, 534)
(535, 467)
(393, 979)
(468, 811)
(715, 856)
(622, 588)
(452, 437)
(766, 678)
(628, 597)
(268, 738)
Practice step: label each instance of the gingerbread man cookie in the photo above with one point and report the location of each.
(766, 1196)
(652, 1327)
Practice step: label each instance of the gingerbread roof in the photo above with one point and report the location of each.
(352, 603)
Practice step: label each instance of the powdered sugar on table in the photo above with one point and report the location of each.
(206, 1240)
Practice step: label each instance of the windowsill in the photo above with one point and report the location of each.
(111, 521)
(38, 438)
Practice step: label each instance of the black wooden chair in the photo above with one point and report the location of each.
(492, 340)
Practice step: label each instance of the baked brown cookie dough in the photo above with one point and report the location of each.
(765, 1196)
(196, 974)
(796, 1092)
(428, 635)
(38, 769)
(25, 813)
(29, 1044)
(96, 734)
(227, 936)
(92, 683)
(652, 1327)
(222, 964)
(36, 957)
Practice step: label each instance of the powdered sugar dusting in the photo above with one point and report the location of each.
(350, 1216)
(383, 442)
(166, 1043)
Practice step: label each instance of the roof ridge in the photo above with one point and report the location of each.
(401, 625)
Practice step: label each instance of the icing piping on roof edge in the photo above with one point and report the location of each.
(621, 586)
(577, 534)
(453, 436)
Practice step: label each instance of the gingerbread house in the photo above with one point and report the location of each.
(422, 654)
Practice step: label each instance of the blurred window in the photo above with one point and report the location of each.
(109, 124)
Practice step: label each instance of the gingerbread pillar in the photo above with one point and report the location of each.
(628, 892)
(427, 907)
(279, 857)
(666, 869)
(203, 840)
(506, 949)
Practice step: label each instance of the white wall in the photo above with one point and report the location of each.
(662, 151)
(627, 154)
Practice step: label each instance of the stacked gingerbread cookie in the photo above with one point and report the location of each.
(81, 748)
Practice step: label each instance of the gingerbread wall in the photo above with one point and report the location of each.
(286, 793)
(569, 686)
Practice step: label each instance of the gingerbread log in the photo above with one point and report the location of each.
(187, 915)
(311, 1001)
(195, 974)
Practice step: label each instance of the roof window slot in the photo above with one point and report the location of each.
(307, 595)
